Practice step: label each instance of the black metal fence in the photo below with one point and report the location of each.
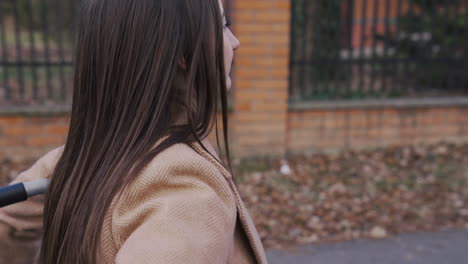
(347, 49)
(36, 44)
(36, 51)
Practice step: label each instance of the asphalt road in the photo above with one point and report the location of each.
(445, 247)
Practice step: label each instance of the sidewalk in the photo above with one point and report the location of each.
(445, 247)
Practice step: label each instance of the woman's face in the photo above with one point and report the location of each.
(231, 43)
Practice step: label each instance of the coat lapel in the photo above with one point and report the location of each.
(244, 216)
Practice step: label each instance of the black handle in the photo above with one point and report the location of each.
(12, 194)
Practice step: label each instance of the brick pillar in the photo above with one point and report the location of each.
(261, 76)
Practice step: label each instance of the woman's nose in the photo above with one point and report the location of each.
(235, 42)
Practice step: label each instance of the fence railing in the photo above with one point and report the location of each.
(36, 44)
(345, 49)
(36, 52)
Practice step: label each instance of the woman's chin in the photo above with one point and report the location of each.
(228, 83)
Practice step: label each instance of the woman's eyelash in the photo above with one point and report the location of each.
(228, 23)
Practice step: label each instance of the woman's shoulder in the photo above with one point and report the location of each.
(180, 166)
(191, 156)
(177, 184)
(181, 162)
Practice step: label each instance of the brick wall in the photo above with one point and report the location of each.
(311, 130)
(318, 130)
(23, 137)
(261, 76)
(262, 122)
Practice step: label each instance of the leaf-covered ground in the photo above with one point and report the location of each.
(349, 195)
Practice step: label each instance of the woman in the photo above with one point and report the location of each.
(137, 181)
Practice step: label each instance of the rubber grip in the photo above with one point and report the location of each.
(12, 194)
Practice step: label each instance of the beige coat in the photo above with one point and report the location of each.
(183, 208)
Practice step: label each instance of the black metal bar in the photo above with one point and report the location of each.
(338, 63)
(350, 24)
(423, 60)
(19, 53)
(46, 45)
(362, 45)
(407, 65)
(374, 33)
(439, 84)
(453, 67)
(397, 87)
(335, 63)
(433, 66)
(5, 56)
(350, 68)
(302, 88)
(464, 64)
(385, 72)
(460, 68)
(74, 6)
(60, 48)
(32, 42)
(327, 90)
(292, 86)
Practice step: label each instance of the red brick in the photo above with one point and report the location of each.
(56, 130)
(42, 141)
(18, 131)
(8, 121)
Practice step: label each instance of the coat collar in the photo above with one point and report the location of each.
(244, 216)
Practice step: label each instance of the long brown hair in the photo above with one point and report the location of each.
(136, 61)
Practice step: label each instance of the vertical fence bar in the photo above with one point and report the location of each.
(303, 35)
(362, 56)
(374, 60)
(445, 61)
(348, 75)
(74, 5)
(396, 82)
(423, 59)
(455, 34)
(72, 29)
(292, 57)
(349, 24)
(32, 42)
(337, 63)
(433, 63)
(326, 59)
(61, 63)
(442, 62)
(386, 58)
(19, 52)
(464, 63)
(317, 58)
(459, 62)
(47, 61)
(407, 60)
(4, 59)
(303, 89)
